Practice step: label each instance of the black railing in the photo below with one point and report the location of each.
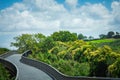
(8, 54)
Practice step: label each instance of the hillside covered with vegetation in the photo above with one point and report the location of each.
(72, 56)
(3, 50)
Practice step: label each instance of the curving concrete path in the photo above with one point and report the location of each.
(27, 72)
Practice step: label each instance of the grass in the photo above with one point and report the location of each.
(113, 43)
(102, 41)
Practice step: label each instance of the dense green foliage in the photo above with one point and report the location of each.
(3, 50)
(81, 36)
(114, 69)
(64, 36)
(71, 56)
(4, 74)
(29, 42)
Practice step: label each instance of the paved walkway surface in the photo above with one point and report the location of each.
(27, 72)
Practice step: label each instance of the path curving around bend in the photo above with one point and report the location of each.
(27, 72)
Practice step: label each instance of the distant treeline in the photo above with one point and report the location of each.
(110, 34)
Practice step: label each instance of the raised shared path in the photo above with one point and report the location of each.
(27, 72)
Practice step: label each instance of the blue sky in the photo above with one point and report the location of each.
(7, 3)
(107, 3)
(90, 17)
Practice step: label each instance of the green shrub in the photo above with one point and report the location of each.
(3, 50)
(114, 69)
(72, 68)
(4, 74)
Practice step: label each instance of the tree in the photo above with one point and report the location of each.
(91, 37)
(64, 36)
(102, 36)
(74, 34)
(23, 42)
(85, 37)
(28, 42)
(39, 37)
(80, 36)
(117, 35)
(47, 44)
(110, 34)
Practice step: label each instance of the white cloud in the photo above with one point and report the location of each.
(47, 16)
(116, 13)
(71, 3)
(95, 11)
(31, 16)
